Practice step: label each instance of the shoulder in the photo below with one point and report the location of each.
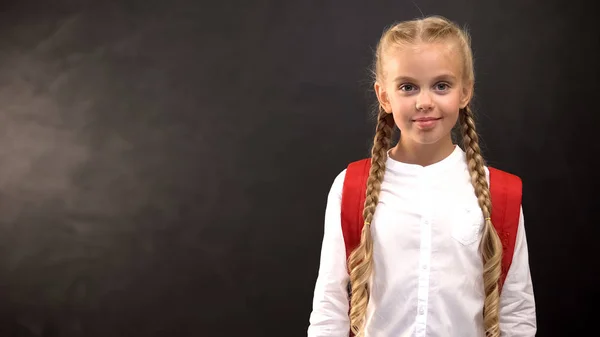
(352, 168)
(337, 185)
(504, 175)
(504, 183)
(489, 169)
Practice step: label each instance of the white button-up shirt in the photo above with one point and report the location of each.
(428, 273)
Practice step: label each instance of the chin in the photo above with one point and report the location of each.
(427, 140)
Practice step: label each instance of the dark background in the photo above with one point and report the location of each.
(164, 165)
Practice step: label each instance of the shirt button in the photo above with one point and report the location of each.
(424, 266)
(421, 311)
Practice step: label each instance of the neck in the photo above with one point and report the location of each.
(422, 154)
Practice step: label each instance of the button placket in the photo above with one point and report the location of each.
(424, 257)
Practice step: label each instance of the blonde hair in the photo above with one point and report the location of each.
(427, 30)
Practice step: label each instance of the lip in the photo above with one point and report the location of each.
(426, 123)
(426, 119)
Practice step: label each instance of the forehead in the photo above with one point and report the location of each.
(421, 61)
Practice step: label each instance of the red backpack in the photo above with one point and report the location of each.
(505, 190)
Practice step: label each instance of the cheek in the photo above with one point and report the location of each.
(403, 107)
(449, 105)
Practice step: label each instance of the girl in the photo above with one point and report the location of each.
(428, 262)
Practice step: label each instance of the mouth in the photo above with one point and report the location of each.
(426, 123)
(426, 119)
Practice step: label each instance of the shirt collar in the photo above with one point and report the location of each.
(451, 161)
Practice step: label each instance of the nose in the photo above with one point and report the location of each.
(424, 101)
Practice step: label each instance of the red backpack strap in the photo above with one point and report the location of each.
(506, 194)
(353, 201)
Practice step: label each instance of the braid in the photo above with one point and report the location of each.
(360, 260)
(491, 247)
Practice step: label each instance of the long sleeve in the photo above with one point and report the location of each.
(517, 303)
(329, 317)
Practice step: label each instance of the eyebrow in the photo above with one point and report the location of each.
(448, 77)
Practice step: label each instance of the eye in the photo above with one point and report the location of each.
(442, 86)
(407, 87)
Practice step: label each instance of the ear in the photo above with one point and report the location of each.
(383, 97)
(466, 94)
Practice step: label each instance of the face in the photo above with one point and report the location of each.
(422, 87)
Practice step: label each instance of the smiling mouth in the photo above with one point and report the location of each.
(427, 119)
(428, 123)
